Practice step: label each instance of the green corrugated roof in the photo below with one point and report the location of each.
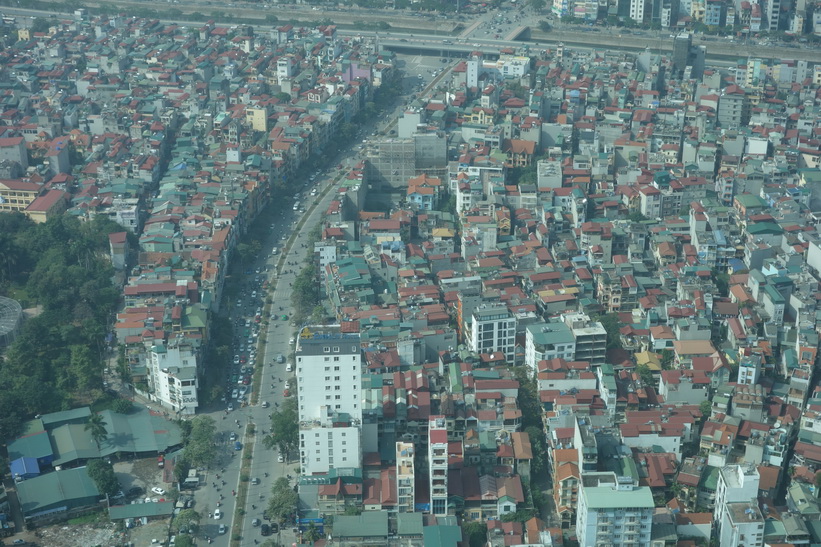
(76, 416)
(36, 445)
(368, 524)
(56, 489)
(71, 443)
(409, 524)
(442, 536)
(139, 510)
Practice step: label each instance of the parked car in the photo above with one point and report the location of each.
(221, 529)
(237, 446)
(265, 530)
(159, 491)
(217, 514)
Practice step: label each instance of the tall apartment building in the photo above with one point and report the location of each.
(546, 341)
(329, 398)
(736, 485)
(742, 525)
(172, 375)
(590, 337)
(405, 477)
(492, 328)
(613, 511)
(438, 465)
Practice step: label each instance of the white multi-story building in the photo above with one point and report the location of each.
(637, 10)
(329, 386)
(742, 525)
(493, 328)
(329, 443)
(405, 478)
(736, 484)
(438, 465)
(613, 511)
(546, 341)
(173, 377)
(328, 373)
(590, 337)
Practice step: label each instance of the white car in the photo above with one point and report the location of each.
(280, 458)
(287, 385)
(217, 514)
(159, 491)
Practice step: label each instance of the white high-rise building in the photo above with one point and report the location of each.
(741, 525)
(736, 484)
(329, 387)
(405, 478)
(493, 328)
(173, 377)
(613, 511)
(438, 465)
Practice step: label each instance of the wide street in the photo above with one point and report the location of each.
(288, 231)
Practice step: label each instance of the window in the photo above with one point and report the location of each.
(336, 357)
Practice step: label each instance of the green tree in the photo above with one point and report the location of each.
(611, 324)
(122, 406)
(475, 533)
(646, 375)
(102, 473)
(667, 358)
(200, 450)
(184, 540)
(123, 370)
(311, 534)
(284, 429)
(722, 281)
(181, 468)
(86, 369)
(522, 515)
(282, 501)
(528, 398)
(39, 24)
(706, 408)
(537, 447)
(187, 519)
(96, 426)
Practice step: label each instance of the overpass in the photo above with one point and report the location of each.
(717, 51)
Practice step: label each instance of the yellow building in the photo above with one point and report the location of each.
(257, 118)
(16, 195)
